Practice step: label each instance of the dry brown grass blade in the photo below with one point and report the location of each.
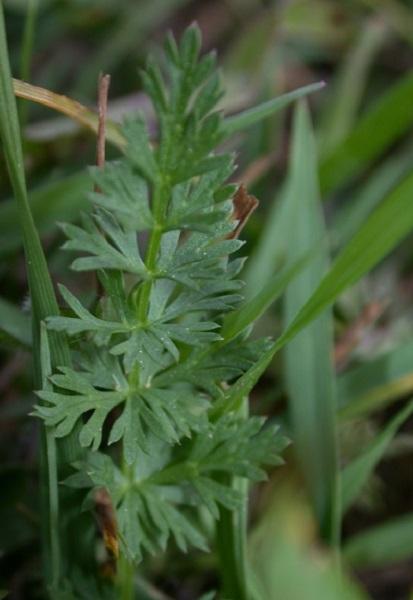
(69, 107)
(103, 91)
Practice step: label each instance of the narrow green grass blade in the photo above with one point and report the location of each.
(231, 545)
(372, 385)
(253, 115)
(382, 180)
(356, 474)
(252, 309)
(346, 91)
(388, 225)
(308, 364)
(14, 323)
(270, 251)
(384, 229)
(231, 534)
(41, 289)
(383, 545)
(50, 488)
(389, 117)
(28, 39)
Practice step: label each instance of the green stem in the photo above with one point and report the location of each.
(152, 253)
(126, 570)
(53, 513)
(126, 576)
(231, 539)
(49, 481)
(231, 546)
(160, 200)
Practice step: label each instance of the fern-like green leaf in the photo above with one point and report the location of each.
(152, 372)
(166, 413)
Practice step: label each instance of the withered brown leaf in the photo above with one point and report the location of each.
(244, 205)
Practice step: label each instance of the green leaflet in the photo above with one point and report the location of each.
(147, 496)
(166, 413)
(110, 246)
(216, 449)
(123, 192)
(207, 369)
(147, 515)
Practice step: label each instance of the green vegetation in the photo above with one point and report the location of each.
(214, 410)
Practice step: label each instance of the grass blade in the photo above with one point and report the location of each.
(50, 491)
(269, 254)
(69, 107)
(382, 545)
(89, 119)
(384, 229)
(372, 385)
(41, 289)
(387, 226)
(355, 475)
(381, 182)
(253, 115)
(307, 364)
(347, 89)
(252, 309)
(389, 117)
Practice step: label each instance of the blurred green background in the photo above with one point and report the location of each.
(363, 119)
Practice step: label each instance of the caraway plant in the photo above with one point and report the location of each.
(142, 389)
